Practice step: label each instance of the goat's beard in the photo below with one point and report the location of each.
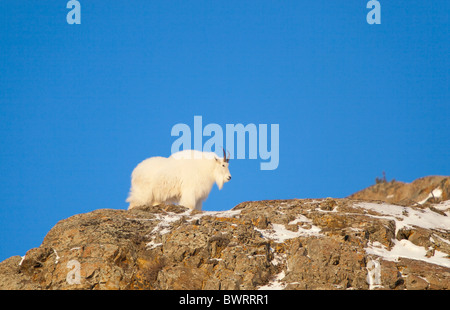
(219, 182)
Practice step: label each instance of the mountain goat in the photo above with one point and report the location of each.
(185, 178)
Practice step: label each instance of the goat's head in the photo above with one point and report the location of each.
(222, 174)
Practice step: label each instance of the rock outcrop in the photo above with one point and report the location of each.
(278, 244)
(432, 189)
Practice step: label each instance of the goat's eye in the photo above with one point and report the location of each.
(223, 165)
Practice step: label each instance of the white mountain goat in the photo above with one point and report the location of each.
(185, 178)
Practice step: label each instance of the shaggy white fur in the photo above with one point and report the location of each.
(185, 178)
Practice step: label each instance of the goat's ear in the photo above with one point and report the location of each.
(216, 159)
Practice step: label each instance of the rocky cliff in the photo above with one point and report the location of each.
(430, 189)
(360, 242)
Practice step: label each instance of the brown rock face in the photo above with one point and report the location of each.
(431, 189)
(279, 244)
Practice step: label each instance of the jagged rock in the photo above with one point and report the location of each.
(431, 189)
(282, 244)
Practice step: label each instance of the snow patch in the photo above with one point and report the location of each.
(57, 256)
(374, 273)
(279, 233)
(227, 213)
(278, 258)
(300, 219)
(276, 283)
(443, 206)
(152, 244)
(406, 217)
(407, 249)
(441, 239)
(436, 193)
(166, 220)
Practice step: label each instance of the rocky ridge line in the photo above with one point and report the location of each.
(277, 244)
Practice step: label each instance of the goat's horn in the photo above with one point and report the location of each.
(225, 159)
(224, 155)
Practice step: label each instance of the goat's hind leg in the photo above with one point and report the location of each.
(188, 201)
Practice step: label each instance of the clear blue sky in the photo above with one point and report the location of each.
(81, 105)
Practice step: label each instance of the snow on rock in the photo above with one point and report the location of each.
(405, 248)
(409, 216)
(279, 233)
(227, 213)
(276, 283)
(275, 244)
(374, 273)
(165, 221)
(436, 193)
